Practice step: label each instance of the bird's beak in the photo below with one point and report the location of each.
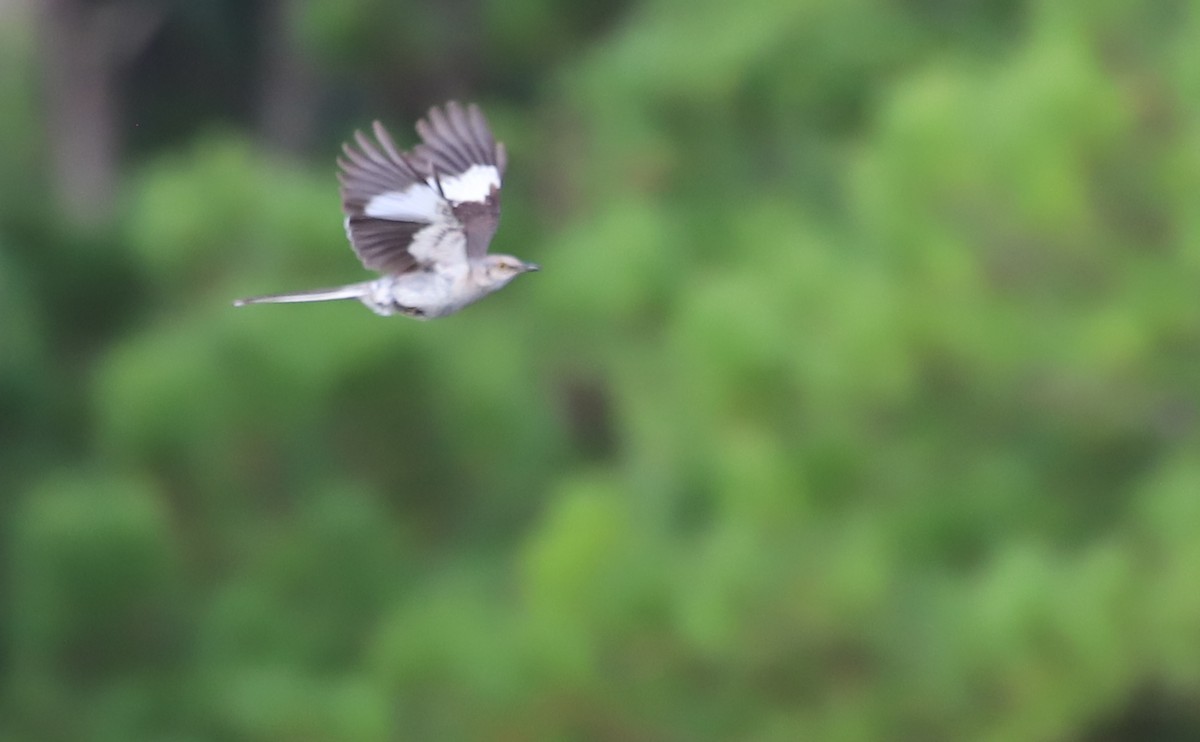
(531, 268)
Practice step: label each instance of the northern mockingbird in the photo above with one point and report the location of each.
(422, 218)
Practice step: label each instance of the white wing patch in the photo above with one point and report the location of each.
(473, 185)
(442, 246)
(417, 203)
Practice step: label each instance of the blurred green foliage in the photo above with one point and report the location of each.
(858, 400)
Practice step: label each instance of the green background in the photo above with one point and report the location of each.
(858, 397)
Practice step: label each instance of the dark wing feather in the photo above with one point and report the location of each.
(454, 140)
(397, 203)
(368, 172)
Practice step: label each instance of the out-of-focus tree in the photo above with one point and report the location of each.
(85, 48)
(289, 99)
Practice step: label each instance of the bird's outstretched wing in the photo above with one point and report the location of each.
(435, 206)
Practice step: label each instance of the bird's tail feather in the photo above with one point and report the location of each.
(352, 291)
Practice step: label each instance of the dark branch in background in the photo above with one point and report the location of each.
(290, 88)
(83, 48)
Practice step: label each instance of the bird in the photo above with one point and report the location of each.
(423, 218)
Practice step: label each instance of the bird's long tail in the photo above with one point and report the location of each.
(352, 291)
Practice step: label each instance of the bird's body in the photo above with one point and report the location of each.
(420, 294)
(424, 219)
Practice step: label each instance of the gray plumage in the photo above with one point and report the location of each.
(424, 219)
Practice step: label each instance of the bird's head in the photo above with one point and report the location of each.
(498, 270)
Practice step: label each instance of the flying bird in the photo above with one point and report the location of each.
(423, 219)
